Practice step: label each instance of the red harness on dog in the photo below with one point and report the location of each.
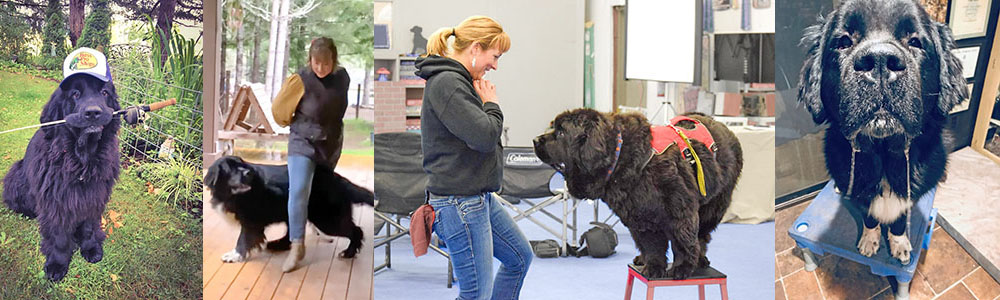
(665, 136)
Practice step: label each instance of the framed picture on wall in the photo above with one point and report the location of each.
(969, 56)
(969, 18)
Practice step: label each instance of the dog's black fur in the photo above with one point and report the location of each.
(68, 171)
(659, 202)
(257, 195)
(882, 75)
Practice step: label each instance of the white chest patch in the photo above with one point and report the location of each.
(888, 207)
(227, 216)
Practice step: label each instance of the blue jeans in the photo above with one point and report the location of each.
(476, 229)
(300, 177)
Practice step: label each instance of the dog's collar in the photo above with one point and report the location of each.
(618, 152)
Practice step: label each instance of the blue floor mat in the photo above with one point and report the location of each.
(744, 252)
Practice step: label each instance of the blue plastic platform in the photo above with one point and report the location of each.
(833, 225)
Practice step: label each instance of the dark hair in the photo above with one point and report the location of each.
(324, 46)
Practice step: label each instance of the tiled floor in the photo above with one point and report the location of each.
(327, 275)
(945, 271)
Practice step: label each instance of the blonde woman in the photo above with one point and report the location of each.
(460, 126)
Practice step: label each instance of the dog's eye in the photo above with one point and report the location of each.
(915, 43)
(105, 93)
(844, 42)
(75, 95)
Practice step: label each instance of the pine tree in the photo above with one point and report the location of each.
(54, 34)
(97, 26)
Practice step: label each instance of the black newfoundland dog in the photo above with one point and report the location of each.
(882, 75)
(255, 195)
(656, 197)
(68, 171)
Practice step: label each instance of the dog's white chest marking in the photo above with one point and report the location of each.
(870, 238)
(888, 207)
(229, 217)
(233, 256)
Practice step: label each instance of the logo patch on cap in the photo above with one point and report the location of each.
(83, 61)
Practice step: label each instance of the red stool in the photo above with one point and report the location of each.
(701, 277)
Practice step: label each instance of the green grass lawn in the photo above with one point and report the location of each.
(153, 251)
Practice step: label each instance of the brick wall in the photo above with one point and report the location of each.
(390, 107)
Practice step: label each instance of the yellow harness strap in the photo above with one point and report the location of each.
(697, 163)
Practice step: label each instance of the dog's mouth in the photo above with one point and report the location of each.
(882, 125)
(88, 124)
(93, 129)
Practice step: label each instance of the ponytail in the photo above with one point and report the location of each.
(476, 29)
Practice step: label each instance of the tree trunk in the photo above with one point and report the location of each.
(164, 23)
(271, 48)
(254, 58)
(281, 57)
(239, 57)
(76, 9)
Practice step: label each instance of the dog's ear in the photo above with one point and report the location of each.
(113, 95)
(212, 176)
(953, 89)
(593, 149)
(811, 75)
(53, 111)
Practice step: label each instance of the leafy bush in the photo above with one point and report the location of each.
(12, 32)
(172, 181)
(54, 36)
(97, 26)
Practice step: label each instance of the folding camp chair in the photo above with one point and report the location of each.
(399, 189)
(526, 177)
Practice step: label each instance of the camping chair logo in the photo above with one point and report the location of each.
(83, 61)
(523, 159)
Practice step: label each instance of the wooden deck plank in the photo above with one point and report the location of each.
(319, 267)
(269, 278)
(244, 282)
(360, 287)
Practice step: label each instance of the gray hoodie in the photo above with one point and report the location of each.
(460, 134)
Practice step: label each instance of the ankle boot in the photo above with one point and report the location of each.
(295, 256)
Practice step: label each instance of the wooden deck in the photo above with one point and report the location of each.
(326, 275)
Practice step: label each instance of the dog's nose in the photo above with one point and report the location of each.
(881, 61)
(537, 141)
(92, 112)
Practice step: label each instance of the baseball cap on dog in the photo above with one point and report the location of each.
(87, 61)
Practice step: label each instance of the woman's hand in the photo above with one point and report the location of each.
(487, 91)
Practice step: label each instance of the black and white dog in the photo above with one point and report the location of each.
(256, 195)
(882, 75)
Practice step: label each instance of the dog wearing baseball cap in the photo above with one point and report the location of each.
(68, 171)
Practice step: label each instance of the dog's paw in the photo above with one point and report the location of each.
(234, 257)
(637, 261)
(680, 271)
(92, 255)
(349, 253)
(870, 238)
(899, 246)
(703, 262)
(55, 271)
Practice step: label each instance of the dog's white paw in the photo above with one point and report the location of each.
(233, 256)
(870, 237)
(899, 246)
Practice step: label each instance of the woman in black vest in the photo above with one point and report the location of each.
(317, 135)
